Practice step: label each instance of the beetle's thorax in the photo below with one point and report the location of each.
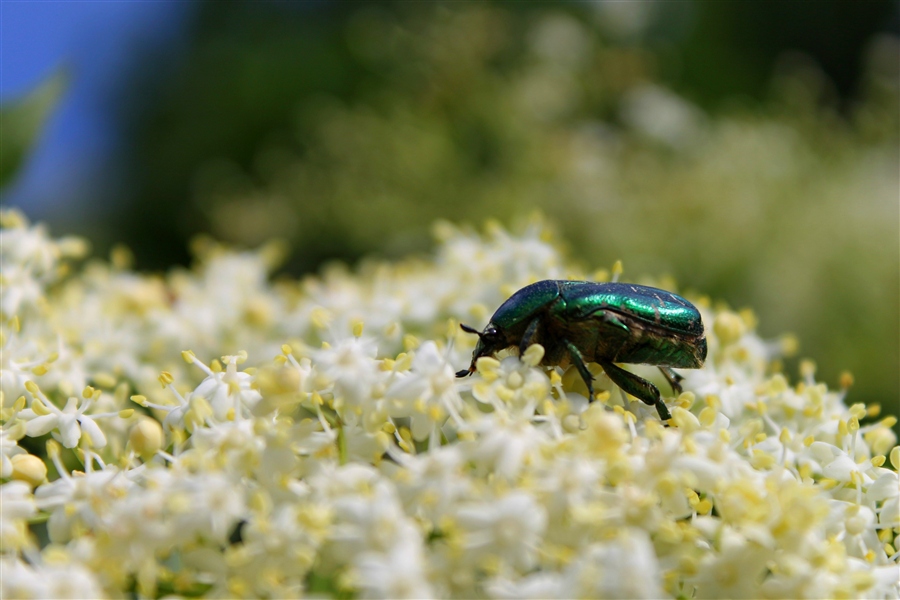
(514, 315)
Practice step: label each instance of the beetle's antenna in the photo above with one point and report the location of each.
(468, 329)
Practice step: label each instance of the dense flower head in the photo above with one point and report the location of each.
(210, 433)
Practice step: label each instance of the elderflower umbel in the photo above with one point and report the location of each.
(315, 441)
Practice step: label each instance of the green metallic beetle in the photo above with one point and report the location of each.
(578, 322)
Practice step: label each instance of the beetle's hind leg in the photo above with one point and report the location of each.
(637, 387)
(673, 378)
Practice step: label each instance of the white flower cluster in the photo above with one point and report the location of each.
(355, 463)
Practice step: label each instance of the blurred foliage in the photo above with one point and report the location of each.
(734, 45)
(348, 128)
(22, 121)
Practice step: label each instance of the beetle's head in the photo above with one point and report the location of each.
(490, 341)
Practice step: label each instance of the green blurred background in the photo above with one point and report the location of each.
(748, 149)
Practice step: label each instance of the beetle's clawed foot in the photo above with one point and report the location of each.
(673, 378)
(463, 373)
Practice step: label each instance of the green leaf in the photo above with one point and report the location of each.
(22, 120)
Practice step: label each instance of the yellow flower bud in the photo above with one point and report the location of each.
(729, 328)
(29, 468)
(146, 438)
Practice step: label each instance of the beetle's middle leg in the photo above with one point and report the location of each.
(637, 387)
(578, 361)
(673, 378)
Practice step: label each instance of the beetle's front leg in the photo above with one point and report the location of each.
(637, 387)
(578, 361)
(528, 337)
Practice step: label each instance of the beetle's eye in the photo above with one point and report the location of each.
(492, 333)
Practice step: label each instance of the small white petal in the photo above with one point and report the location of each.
(90, 427)
(69, 431)
(840, 469)
(41, 425)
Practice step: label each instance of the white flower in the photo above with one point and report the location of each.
(17, 505)
(372, 521)
(734, 571)
(532, 587)
(427, 393)
(228, 393)
(352, 368)
(625, 567)
(886, 490)
(512, 382)
(432, 483)
(289, 535)
(48, 580)
(504, 443)
(18, 502)
(210, 505)
(9, 447)
(508, 528)
(19, 354)
(398, 573)
(566, 483)
(69, 424)
(80, 500)
(28, 261)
